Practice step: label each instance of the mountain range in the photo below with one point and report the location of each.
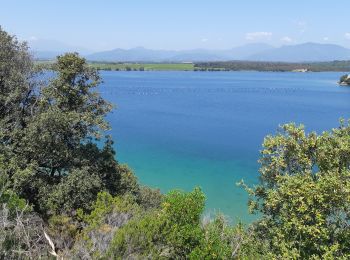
(306, 52)
(44, 49)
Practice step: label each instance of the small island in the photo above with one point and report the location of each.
(345, 80)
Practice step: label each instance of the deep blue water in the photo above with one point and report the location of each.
(187, 129)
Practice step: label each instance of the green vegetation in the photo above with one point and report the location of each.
(272, 66)
(142, 66)
(218, 66)
(227, 66)
(345, 80)
(64, 196)
(115, 66)
(304, 194)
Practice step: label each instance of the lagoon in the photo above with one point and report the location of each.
(179, 130)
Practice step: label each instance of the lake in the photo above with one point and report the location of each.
(179, 130)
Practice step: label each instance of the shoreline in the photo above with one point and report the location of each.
(331, 66)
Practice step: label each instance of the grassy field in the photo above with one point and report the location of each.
(143, 66)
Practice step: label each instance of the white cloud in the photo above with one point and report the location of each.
(325, 39)
(252, 36)
(347, 35)
(204, 40)
(286, 39)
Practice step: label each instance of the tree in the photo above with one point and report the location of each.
(304, 193)
(345, 79)
(17, 97)
(16, 85)
(50, 131)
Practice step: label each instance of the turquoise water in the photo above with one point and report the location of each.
(188, 129)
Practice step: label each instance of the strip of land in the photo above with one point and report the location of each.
(143, 66)
(273, 66)
(340, 66)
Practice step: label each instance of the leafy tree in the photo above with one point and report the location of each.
(304, 194)
(16, 85)
(345, 79)
(49, 129)
(68, 116)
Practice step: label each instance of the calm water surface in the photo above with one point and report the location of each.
(188, 129)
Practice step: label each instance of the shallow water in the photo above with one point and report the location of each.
(187, 129)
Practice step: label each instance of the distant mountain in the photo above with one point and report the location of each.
(244, 51)
(252, 52)
(133, 55)
(45, 55)
(143, 55)
(44, 49)
(303, 52)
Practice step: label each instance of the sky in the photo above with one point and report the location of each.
(175, 25)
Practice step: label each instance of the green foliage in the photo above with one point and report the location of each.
(141, 238)
(107, 204)
(172, 231)
(76, 190)
(108, 215)
(48, 151)
(184, 208)
(13, 203)
(149, 198)
(93, 207)
(16, 85)
(304, 193)
(216, 242)
(345, 79)
(63, 230)
(272, 66)
(176, 231)
(182, 212)
(119, 66)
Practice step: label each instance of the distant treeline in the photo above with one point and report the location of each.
(272, 66)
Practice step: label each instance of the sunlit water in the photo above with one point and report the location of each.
(179, 130)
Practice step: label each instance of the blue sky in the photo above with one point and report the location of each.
(177, 24)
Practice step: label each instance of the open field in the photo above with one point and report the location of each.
(143, 66)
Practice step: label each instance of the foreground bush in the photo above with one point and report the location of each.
(304, 195)
(175, 231)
